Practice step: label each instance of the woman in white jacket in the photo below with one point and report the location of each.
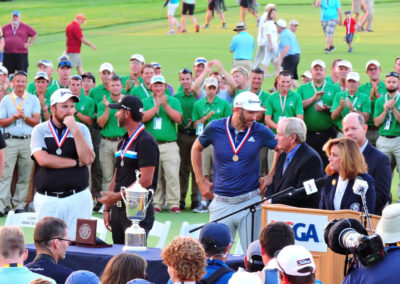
(270, 35)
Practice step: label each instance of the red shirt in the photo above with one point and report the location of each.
(15, 39)
(350, 26)
(74, 35)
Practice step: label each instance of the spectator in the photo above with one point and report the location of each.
(333, 78)
(249, 5)
(306, 77)
(83, 277)
(185, 258)
(133, 79)
(51, 241)
(44, 65)
(64, 72)
(219, 6)
(260, 54)
(350, 25)
(343, 68)
(172, 6)
(188, 8)
(12, 257)
(124, 267)
(242, 46)
(243, 277)
(293, 24)
(18, 37)
(253, 259)
(271, 38)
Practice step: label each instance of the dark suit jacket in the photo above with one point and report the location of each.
(305, 165)
(349, 200)
(379, 169)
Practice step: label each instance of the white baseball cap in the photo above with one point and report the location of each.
(353, 76)
(307, 74)
(281, 23)
(137, 57)
(45, 62)
(3, 70)
(106, 66)
(211, 81)
(345, 63)
(389, 225)
(293, 258)
(61, 96)
(200, 60)
(157, 79)
(248, 101)
(318, 62)
(374, 62)
(293, 22)
(42, 75)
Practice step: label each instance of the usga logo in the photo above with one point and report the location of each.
(303, 232)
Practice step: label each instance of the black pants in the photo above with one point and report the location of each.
(317, 139)
(16, 62)
(119, 223)
(289, 63)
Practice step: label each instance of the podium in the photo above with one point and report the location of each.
(308, 225)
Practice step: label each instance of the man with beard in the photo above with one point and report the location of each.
(51, 241)
(137, 151)
(62, 149)
(237, 141)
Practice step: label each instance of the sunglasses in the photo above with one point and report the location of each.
(392, 74)
(64, 64)
(201, 61)
(185, 71)
(20, 72)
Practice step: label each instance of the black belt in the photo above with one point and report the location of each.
(389, 136)
(113, 139)
(8, 135)
(188, 132)
(61, 194)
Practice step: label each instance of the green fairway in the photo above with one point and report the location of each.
(120, 28)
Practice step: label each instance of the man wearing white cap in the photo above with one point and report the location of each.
(43, 65)
(98, 92)
(296, 265)
(317, 97)
(375, 88)
(19, 113)
(351, 100)
(386, 270)
(237, 141)
(143, 90)
(343, 68)
(204, 111)
(161, 115)
(306, 77)
(133, 79)
(62, 149)
(293, 24)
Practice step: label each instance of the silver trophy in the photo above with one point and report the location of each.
(136, 204)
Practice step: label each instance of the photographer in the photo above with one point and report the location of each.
(385, 271)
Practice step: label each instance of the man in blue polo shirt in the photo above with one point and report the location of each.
(242, 46)
(237, 141)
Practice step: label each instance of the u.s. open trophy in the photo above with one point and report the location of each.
(136, 202)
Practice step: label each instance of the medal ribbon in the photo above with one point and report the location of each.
(13, 99)
(63, 135)
(236, 149)
(131, 139)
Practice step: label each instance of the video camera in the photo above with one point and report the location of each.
(346, 236)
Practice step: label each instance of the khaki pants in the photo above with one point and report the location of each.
(107, 161)
(17, 150)
(169, 170)
(246, 64)
(208, 161)
(185, 143)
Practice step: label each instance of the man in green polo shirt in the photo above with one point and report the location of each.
(375, 88)
(161, 115)
(186, 138)
(43, 65)
(351, 100)
(204, 111)
(41, 82)
(84, 109)
(283, 103)
(133, 79)
(317, 97)
(98, 92)
(64, 71)
(343, 68)
(387, 118)
(110, 132)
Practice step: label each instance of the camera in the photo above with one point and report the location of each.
(346, 236)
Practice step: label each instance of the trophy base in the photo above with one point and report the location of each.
(134, 248)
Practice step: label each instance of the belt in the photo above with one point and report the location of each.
(110, 138)
(243, 59)
(236, 199)
(118, 204)
(164, 142)
(188, 132)
(61, 194)
(389, 136)
(8, 135)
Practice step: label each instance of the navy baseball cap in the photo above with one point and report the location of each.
(218, 232)
(82, 277)
(131, 103)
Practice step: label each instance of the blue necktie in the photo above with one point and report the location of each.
(285, 165)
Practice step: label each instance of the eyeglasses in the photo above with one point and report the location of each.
(392, 74)
(185, 71)
(61, 239)
(64, 64)
(372, 69)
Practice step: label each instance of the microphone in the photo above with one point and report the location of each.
(309, 186)
(360, 186)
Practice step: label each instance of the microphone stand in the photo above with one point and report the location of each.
(364, 202)
(251, 207)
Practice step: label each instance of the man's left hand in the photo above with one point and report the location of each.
(265, 181)
(70, 122)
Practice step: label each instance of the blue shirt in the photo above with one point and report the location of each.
(236, 178)
(44, 264)
(329, 9)
(214, 265)
(20, 275)
(242, 46)
(290, 155)
(288, 38)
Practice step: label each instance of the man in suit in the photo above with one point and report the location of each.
(297, 163)
(378, 163)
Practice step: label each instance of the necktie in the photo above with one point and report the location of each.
(285, 165)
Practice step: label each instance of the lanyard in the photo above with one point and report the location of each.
(283, 104)
(14, 30)
(355, 100)
(145, 90)
(315, 89)
(13, 100)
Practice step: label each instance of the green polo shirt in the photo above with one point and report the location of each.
(168, 130)
(263, 96)
(85, 106)
(360, 101)
(128, 77)
(238, 92)
(317, 120)
(394, 129)
(187, 103)
(111, 129)
(142, 92)
(51, 89)
(220, 107)
(366, 89)
(31, 88)
(97, 94)
(292, 107)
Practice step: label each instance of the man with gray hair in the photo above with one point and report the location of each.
(297, 163)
